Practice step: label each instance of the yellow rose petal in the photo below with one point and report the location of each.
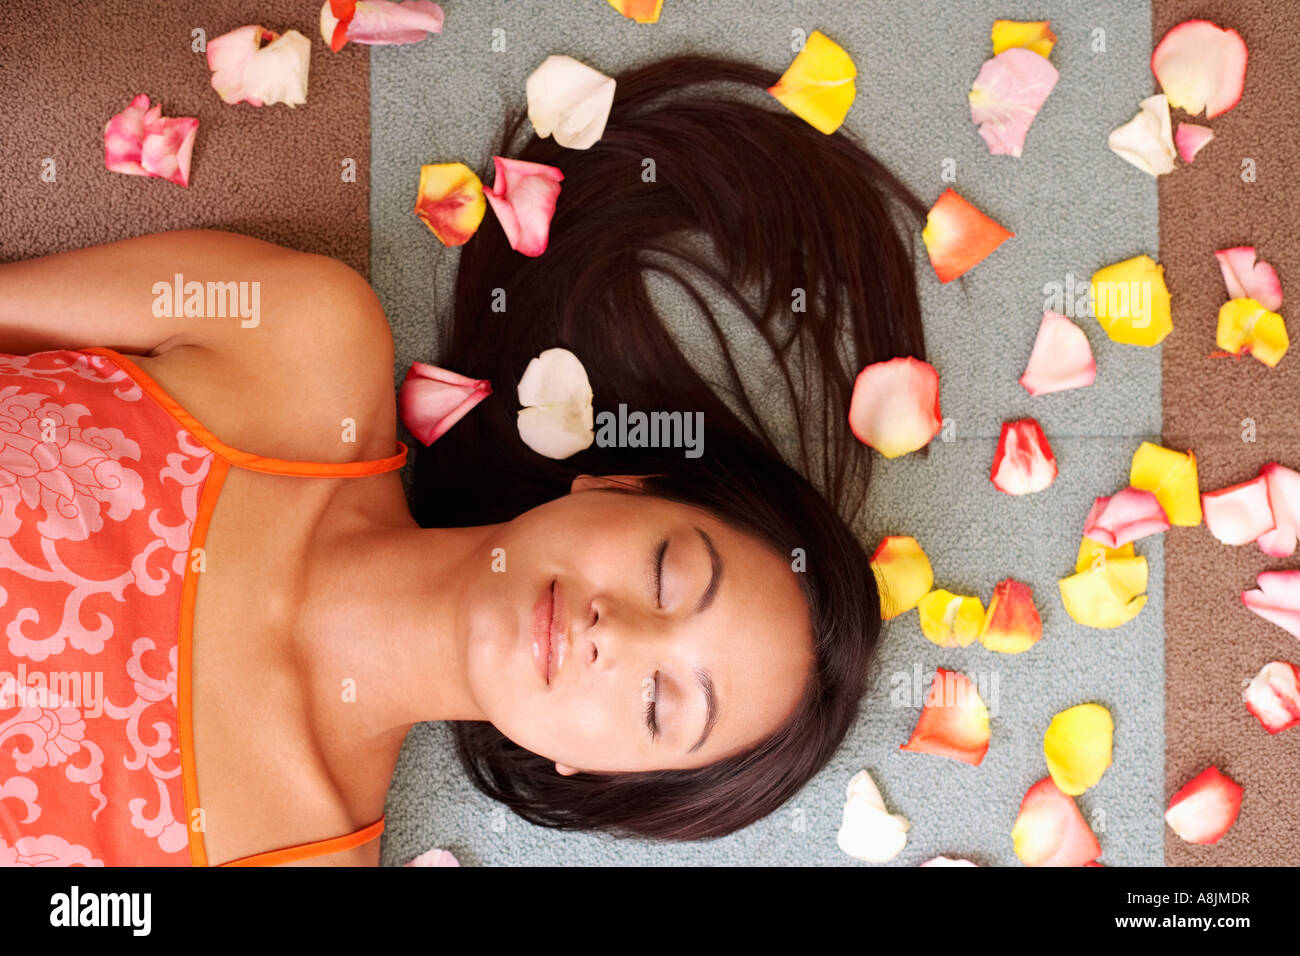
(950, 620)
(818, 86)
(1131, 301)
(1095, 598)
(1035, 36)
(1077, 746)
(1171, 476)
(1244, 324)
(903, 574)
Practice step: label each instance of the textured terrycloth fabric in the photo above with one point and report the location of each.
(1213, 644)
(274, 172)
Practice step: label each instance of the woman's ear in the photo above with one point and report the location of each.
(588, 482)
(564, 770)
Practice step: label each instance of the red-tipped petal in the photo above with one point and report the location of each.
(1023, 462)
(378, 22)
(1191, 139)
(1277, 599)
(1011, 624)
(1284, 500)
(1204, 810)
(1247, 279)
(1125, 516)
(1239, 514)
(954, 722)
(895, 406)
(1201, 67)
(1274, 696)
(1061, 358)
(433, 399)
(1050, 830)
(958, 236)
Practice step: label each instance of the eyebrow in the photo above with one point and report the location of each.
(706, 681)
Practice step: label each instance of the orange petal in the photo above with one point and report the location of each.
(642, 11)
(903, 574)
(958, 236)
(954, 722)
(950, 620)
(1077, 746)
(895, 406)
(1035, 35)
(1050, 830)
(818, 86)
(450, 201)
(1012, 624)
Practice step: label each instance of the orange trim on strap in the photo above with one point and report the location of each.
(244, 459)
(189, 592)
(308, 850)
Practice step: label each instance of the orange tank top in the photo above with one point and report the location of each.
(107, 486)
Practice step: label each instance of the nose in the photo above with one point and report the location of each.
(617, 632)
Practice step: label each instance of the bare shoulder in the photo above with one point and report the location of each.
(303, 370)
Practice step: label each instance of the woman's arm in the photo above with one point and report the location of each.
(109, 294)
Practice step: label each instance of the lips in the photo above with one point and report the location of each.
(550, 632)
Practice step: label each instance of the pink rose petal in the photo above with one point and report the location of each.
(947, 861)
(377, 22)
(1284, 500)
(1274, 696)
(1239, 514)
(140, 141)
(434, 858)
(1125, 516)
(1277, 599)
(1061, 358)
(1200, 66)
(1190, 139)
(1007, 95)
(523, 197)
(895, 406)
(1247, 279)
(433, 399)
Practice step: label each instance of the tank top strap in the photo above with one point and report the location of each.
(244, 459)
(307, 851)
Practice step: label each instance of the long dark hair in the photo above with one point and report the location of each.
(791, 213)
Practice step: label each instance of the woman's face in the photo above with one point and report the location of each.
(674, 641)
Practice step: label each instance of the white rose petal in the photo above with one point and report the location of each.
(869, 831)
(569, 99)
(1147, 140)
(557, 419)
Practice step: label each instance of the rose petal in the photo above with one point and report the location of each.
(950, 620)
(1274, 696)
(450, 202)
(1277, 599)
(1247, 279)
(1061, 358)
(1124, 516)
(570, 99)
(642, 11)
(1007, 95)
(433, 399)
(1050, 830)
(140, 141)
(523, 198)
(1106, 590)
(376, 22)
(895, 406)
(1011, 624)
(1023, 463)
(818, 86)
(333, 29)
(1131, 301)
(245, 71)
(1191, 139)
(1147, 140)
(1284, 501)
(958, 236)
(954, 721)
(1171, 476)
(1246, 327)
(1240, 513)
(1077, 746)
(434, 858)
(868, 830)
(1205, 809)
(1036, 36)
(1201, 66)
(903, 574)
(124, 137)
(557, 418)
(945, 861)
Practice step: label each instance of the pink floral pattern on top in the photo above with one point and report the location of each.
(99, 496)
